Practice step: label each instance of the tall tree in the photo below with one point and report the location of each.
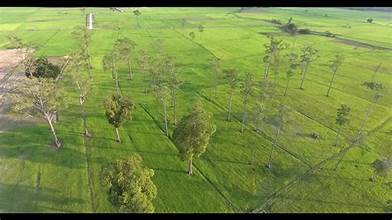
(145, 63)
(341, 120)
(125, 48)
(131, 188)
(84, 36)
(118, 109)
(309, 54)
(39, 97)
(82, 81)
(174, 84)
(335, 64)
(216, 75)
(192, 35)
(271, 57)
(278, 123)
(231, 76)
(193, 133)
(246, 90)
(137, 13)
(293, 67)
(109, 62)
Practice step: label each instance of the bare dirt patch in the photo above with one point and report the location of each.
(9, 60)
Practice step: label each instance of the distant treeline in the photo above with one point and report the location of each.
(385, 9)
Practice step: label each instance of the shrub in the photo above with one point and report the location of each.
(369, 20)
(42, 68)
(290, 28)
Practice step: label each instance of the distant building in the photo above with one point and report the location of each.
(90, 21)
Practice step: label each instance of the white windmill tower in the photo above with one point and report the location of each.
(90, 21)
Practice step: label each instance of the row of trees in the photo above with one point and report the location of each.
(43, 93)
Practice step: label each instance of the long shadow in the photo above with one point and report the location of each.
(17, 198)
(29, 144)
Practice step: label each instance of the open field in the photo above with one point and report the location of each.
(36, 178)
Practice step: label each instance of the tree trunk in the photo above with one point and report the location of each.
(267, 68)
(174, 107)
(190, 166)
(118, 135)
(165, 118)
(230, 101)
(243, 119)
(287, 86)
(304, 70)
(129, 70)
(331, 82)
(337, 136)
(57, 142)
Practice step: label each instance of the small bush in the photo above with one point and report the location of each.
(42, 68)
(369, 20)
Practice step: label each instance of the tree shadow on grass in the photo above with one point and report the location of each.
(18, 198)
(34, 144)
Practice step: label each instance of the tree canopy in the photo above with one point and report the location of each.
(130, 186)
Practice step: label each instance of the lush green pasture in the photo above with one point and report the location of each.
(232, 175)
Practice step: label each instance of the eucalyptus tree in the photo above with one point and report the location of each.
(193, 133)
(271, 57)
(109, 63)
(309, 54)
(335, 64)
(294, 63)
(137, 13)
(39, 97)
(216, 75)
(192, 35)
(247, 88)
(82, 81)
(174, 84)
(84, 36)
(159, 86)
(118, 109)
(342, 118)
(278, 123)
(126, 49)
(130, 184)
(231, 77)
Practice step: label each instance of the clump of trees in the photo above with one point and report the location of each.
(193, 133)
(271, 58)
(41, 67)
(118, 109)
(131, 188)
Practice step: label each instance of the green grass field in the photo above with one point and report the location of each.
(36, 178)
